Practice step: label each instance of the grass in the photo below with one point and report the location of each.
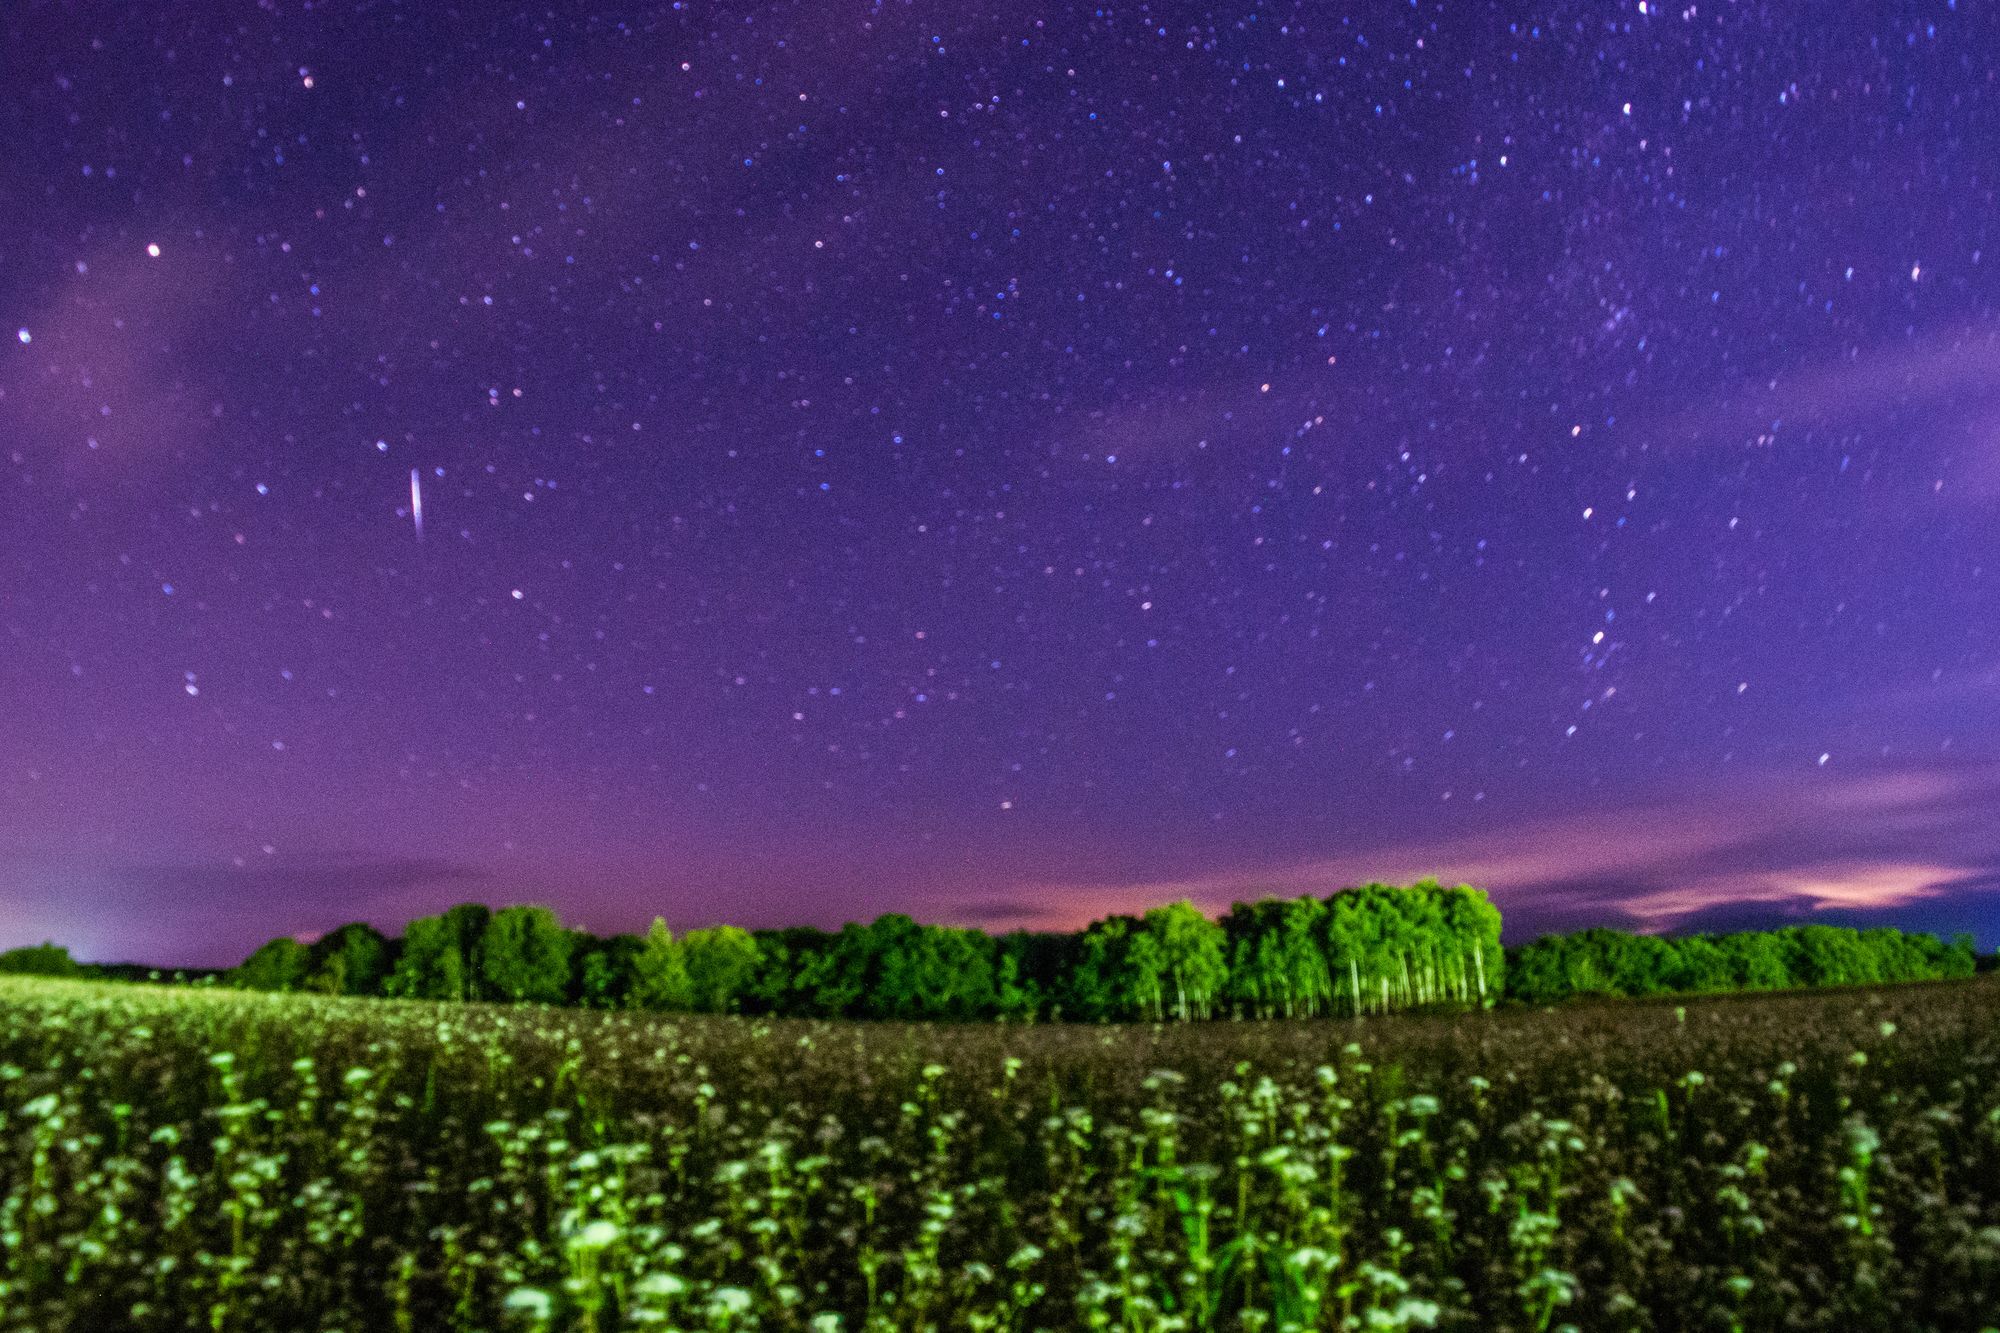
(185, 1159)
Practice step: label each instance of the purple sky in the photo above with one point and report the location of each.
(1005, 467)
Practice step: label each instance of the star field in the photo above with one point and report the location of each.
(1004, 466)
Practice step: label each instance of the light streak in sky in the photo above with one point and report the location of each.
(417, 502)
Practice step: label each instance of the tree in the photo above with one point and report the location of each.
(1091, 991)
(832, 977)
(1704, 965)
(1029, 969)
(353, 959)
(720, 963)
(780, 955)
(926, 972)
(46, 959)
(1192, 954)
(1473, 922)
(659, 972)
(1611, 962)
(1823, 955)
(279, 965)
(524, 956)
(1960, 958)
(1278, 965)
(1757, 959)
(603, 971)
(439, 956)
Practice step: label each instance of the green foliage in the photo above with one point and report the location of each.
(787, 971)
(1366, 950)
(1612, 962)
(720, 962)
(524, 955)
(1028, 972)
(351, 960)
(1192, 958)
(1373, 949)
(279, 965)
(659, 972)
(915, 971)
(41, 960)
(439, 957)
(604, 971)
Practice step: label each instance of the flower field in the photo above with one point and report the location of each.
(182, 1159)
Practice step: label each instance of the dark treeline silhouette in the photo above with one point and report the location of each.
(1611, 962)
(41, 960)
(53, 960)
(1367, 950)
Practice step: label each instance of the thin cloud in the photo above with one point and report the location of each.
(1874, 842)
(1953, 365)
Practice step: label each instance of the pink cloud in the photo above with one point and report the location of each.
(1796, 843)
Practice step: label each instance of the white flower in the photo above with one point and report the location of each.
(729, 1300)
(595, 1236)
(530, 1301)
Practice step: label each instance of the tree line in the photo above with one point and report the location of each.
(1612, 962)
(1372, 949)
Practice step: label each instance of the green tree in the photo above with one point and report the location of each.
(1091, 991)
(1278, 965)
(659, 972)
(279, 965)
(1029, 971)
(781, 954)
(524, 956)
(1757, 959)
(833, 978)
(927, 972)
(721, 961)
(439, 956)
(1536, 972)
(1704, 965)
(1610, 962)
(1960, 958)
(1193, 955)
(1473, 923)
(1823, 955)
(353, 959)
(603, 970)
(46, 959)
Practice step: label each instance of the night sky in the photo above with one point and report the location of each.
(1004, 464)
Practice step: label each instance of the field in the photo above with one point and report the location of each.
(206, 1159)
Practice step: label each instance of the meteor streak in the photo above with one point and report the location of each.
(417, 502)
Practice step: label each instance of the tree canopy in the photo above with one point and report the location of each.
(1613, 962)
(1373, 949)
(524, 954)
(41, 960)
